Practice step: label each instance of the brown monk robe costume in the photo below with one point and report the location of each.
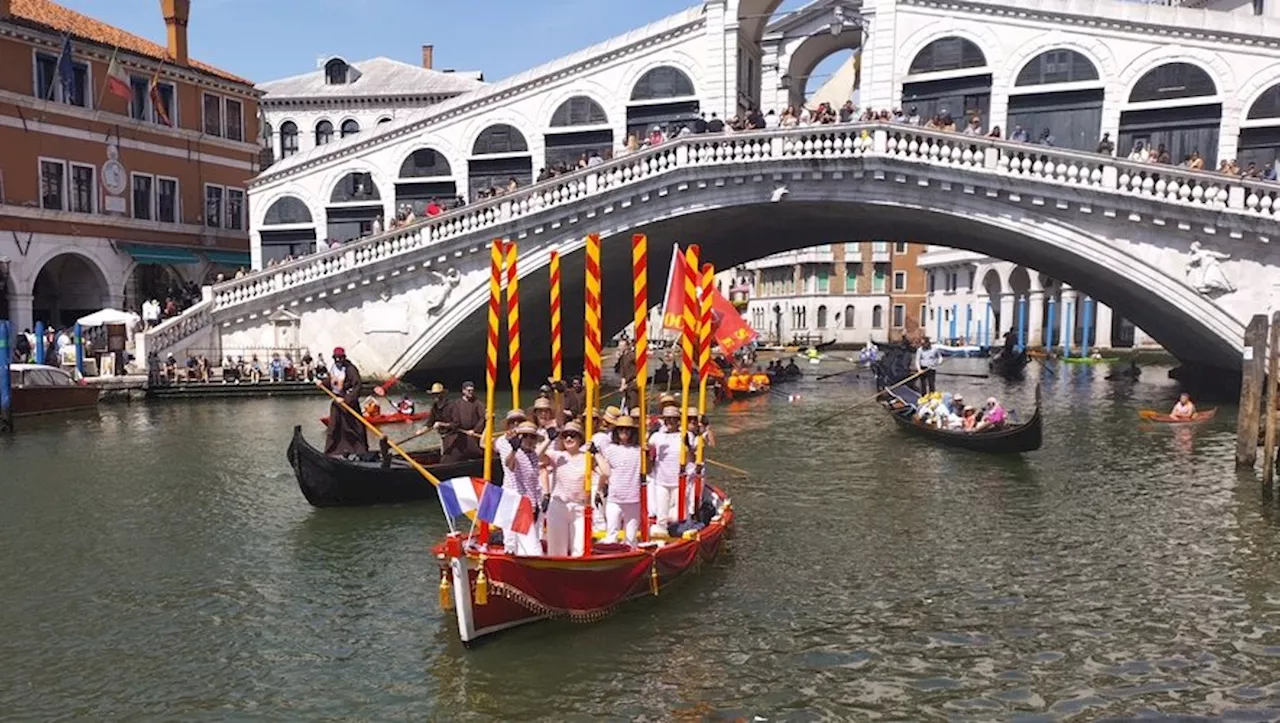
(625, 366)
(346, 434)
(462, 416)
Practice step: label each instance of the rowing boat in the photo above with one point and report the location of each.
(491, 591)
(338, 482)
(1008, 439)
(1152, 415)
(394, 418)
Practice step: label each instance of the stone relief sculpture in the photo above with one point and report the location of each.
(440, 294)
(1204, 271)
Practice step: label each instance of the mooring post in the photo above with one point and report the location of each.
(1273, 377)
(1252, 367)
(6, 390)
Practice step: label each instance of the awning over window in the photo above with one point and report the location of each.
(160, 254)
(228, 258)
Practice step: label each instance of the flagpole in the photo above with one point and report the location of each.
(491, 364)
(640, 288)
(513, 324)
(106, 78)
(56, 80)
(704, 375)
(688, 342)
(592, 368)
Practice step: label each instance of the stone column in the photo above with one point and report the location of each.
(1008, 317)
(20, 308)
(1069, 308)
(978, 330)
(1102, 319)
(1035, 318)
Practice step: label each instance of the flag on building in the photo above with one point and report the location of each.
(66, 71)
(461, 495)
(157, 100)
(117, 79)
(506, 508)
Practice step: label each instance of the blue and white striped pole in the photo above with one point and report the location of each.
(1085, 333)
(79, 340)
(1069, 329)
(1022, 322)
(39, 350)
(986, 325)
(1048, 332)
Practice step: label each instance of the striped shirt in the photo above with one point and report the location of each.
(568, 476)
(666, 458)
(624, 473)
(524, 475)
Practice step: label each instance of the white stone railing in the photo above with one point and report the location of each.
(174, 329)
(980, 155)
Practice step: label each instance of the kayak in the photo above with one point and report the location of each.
(393, 418)
(1089, 360)
(1152, 415)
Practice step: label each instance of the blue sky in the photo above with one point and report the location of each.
(270, 39)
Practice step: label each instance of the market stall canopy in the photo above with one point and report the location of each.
(107, 317)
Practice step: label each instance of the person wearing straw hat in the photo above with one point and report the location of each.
(620, 477)
(664, 469)
(544, 415)
(564, 492)
(523, 474)
(346, 435)
(504, 443)
(439, 404)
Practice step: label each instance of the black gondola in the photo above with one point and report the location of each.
(1009, 364)
(335, 482)
(1009, 439)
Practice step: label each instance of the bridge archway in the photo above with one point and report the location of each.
(748, 227)
(579, 127)
(425, 176)
(949, 77)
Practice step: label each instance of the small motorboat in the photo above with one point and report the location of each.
(378, 420)
(377, 479)
(42, 389)
(1152, 415)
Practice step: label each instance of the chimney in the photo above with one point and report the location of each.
(176, 13)
(428, 52)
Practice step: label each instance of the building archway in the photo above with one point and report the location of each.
(1059, 90)
(153, 281)
(1177, 106)
(949, 76)
(579, 128)
(1260, 133)
(664, 97)
(425, 176)
(499, 156)
(68, 287)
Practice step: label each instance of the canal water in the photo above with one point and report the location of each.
(158, 562)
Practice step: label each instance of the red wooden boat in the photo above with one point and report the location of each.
(40, 389)
(519, 590)
(394, 418)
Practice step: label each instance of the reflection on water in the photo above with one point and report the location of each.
(160, 562)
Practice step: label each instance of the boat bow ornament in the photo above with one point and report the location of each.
(1126, 192)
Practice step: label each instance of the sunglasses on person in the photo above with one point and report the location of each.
(571, 435)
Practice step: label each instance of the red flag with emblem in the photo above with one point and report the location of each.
(728, 328)
(673, 301)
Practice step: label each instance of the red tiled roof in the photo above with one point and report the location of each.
(52, 16)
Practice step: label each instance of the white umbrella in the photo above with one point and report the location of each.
(107, 317)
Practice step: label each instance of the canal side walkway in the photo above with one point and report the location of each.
(135, 387)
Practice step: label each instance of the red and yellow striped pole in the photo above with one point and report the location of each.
(491, 363)
(513, 323)
(640, 287)
(690, 319)
(704, 375)
(592, 368)
(557, 358)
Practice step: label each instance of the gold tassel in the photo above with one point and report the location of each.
(653, 578)
(482, 585)
(446, 592)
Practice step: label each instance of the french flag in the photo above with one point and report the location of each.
(506, 508)
(461, 495)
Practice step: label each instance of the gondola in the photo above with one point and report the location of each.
(335, 482)
(1010, 439)
(1009, 365)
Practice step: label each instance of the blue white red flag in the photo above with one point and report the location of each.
(461, 495)
(506, 508)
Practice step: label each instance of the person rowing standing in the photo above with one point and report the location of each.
(346, 435)
(927, 360)
(460, 430)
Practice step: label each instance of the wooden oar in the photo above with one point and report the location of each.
(378, 432)
(424, 430)
(731, 468)
(872, 398)
(964, 374)
(381, 389)
(836, 374)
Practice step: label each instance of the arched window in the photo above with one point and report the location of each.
(500, 138)
(848, 317)
(355, 187)
(335, 72)
(324, 132)
(425, 163)
(947, 54)
(288, 139)
(286, 210)
(350, 127)
(877, 317)
(1057, 66)
(822, 317)
(1173, 80)
(1267, 105)
(579, 111)
(662, 82)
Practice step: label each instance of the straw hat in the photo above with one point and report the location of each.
(542, 403)
(437, 388)
(666, 399)
(612, 411)
(515, 414)
(957, 398)
(625, 422)
(668, 412)
(573, 427)
(527, 428)
(635, 413)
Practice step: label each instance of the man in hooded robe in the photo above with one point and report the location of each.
(346, 435)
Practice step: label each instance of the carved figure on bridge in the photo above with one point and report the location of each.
(1204, 271)
(451, 279)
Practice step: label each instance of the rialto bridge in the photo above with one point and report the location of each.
(1186, 255)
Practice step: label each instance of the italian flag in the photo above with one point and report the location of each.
(117, 80)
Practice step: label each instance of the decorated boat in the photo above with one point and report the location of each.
(1152, 415)
(376, 479)
(393, 418)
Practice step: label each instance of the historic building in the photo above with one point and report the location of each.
(125, 163)
(975, 299)
(852, 292)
